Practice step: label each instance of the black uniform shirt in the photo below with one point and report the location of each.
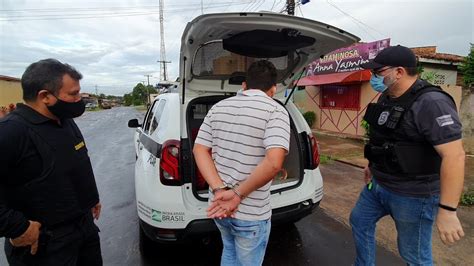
(21, 163)
(432, 118)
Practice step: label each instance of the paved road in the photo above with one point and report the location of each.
(315, 240)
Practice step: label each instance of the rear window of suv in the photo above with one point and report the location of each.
(211, 61)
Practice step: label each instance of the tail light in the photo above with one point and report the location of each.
(314, 151)
(169, 168)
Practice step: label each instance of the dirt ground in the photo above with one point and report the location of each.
(343, 182)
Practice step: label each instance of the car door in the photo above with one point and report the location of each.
(149, 148)
(139, 130)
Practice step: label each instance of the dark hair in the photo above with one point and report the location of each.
(411, 71)
(261, 75)
(45, 74)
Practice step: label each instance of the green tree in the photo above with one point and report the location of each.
(139, 94)
(467, 68)
(127, 99)
(428, 76)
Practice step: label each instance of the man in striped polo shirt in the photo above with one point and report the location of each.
(249, 135)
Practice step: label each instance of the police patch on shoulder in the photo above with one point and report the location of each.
(383, 118)
(444, 120)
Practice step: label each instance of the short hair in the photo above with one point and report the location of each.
(261, 75)
(411, 71)
(46, 74)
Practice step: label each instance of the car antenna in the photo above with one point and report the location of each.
(294, 86)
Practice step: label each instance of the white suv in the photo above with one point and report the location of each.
(216, 50)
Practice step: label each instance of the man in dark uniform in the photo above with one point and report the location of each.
(416, 161)
(48, 194)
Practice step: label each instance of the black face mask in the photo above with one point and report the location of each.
(63, 110)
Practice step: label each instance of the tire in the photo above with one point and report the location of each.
(146, 245)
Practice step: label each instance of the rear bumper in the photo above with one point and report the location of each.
(199, 229)
(293, 213)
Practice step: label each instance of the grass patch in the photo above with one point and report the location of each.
(325, 159)
(467, 199)
(95, 109)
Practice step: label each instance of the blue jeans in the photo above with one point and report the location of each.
(244, 242)
(414, 218)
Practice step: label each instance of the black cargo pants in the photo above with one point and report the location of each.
(71, 244)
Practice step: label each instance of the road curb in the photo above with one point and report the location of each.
(349, 163)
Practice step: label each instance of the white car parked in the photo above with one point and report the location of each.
(216, 50)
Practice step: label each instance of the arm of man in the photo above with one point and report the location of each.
(436, 118)
(452, 180)
(202, 153)
(13, 224)
(206, 165)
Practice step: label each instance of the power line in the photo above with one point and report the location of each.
(256, 9)
(299, 7)
(356, 20)
(107, 8)
(87, 15)
(247, 8)
(274, 1)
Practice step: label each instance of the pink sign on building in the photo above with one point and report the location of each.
(347, 59)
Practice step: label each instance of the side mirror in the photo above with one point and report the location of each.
(133, 123)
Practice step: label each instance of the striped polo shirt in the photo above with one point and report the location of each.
(239, 130)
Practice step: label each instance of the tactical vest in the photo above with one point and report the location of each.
(65, 189)
(390, 150)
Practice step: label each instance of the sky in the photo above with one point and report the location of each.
(115, 43)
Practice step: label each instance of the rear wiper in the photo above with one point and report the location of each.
(294, 85)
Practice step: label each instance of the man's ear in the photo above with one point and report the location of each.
(244, 85)
(401, 72)
(274, 89)
(45, 97)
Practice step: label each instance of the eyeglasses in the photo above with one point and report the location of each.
(380, 70)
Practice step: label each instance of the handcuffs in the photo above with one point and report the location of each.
(226, 186)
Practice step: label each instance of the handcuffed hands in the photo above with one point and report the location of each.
(224, 204)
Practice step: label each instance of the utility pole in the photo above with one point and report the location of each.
(148, 88)
(96, 91)
(163, 66)
(148, 78)
(290, 7)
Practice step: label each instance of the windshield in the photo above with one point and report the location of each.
(211, 61)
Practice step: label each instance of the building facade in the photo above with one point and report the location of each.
(338, 91)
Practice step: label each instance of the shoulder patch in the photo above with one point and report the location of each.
(79, 146)
(444, 120)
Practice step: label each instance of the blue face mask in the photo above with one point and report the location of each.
(377, 83)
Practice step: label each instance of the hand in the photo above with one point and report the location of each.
(29, 237)
(449, 227)
(96, 211)
(367, 175)
(224, 205)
